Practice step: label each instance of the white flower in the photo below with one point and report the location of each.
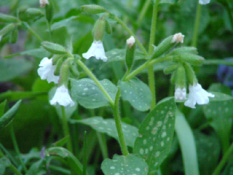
(204, 2)
(43, 2)
(96, 50)
(180, 94)
(197, 95)
(62, 97)
(131, 41)
(46, 70)
(178, 38)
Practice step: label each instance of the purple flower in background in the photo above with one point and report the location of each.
(42, 153)
(225, 75)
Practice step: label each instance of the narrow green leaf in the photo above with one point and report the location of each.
(125, 165)
(87, 93)
(8, 116)
(187, 144)
(156, 133)
(68, 157)
(62, 141)
(2, 107)
(54, 48)
(108, 127)
(137, 93)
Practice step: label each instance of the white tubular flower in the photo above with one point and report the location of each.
(131, 41)
(197, 95)
(62, 97)
(180, 94)
(46, 70)
(43, 3)
(178, 38)
(96, 50)
(204, 2)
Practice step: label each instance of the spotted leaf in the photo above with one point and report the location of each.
(108, 126)
(125, 165)
(137, 93)
(88, 94)
(156, 133)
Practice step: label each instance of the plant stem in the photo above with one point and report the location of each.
(92, 76)
(144, 66)
(151, 77)
(143, 12)
(196, 25)
(131, 33)
(33, 32)
(224, 160)
(117, 118)
(66, 130)
(12, 133)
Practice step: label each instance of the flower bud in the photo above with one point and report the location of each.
(190, 58)
(49, 12)
(170, 69)
(93, 9)
(58, 66)
(54, 48)
(43, 3)
(183, 50)
(180, 84)
(7, 29)
(7, 18)
(56, 59)
(74, 70)
(130, 52)
(99, 29)
(33, 12)
(178, 38)
(64, 74)
(108, 27)
(190, 74)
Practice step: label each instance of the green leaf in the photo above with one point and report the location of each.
(208, 150)
(108, 127)
(8, 116)
(54, 48)
(62, 141)
(68, 157)
(2, 107)
(125, 165)
(137, 93)
(219, 62)
(119, 55)
(7, 18)
(156, 133)
(187, 144)
(218, 96)
(88, 94)
(13, 68)
(12, 96)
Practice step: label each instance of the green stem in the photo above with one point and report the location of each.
(224, 160)
(66, 130)
(151, 77)
(144, 66)
(143, 12)
(196, 24)
(131, 33)
(92, 76)
(117, 118)
(33, 32)
(103, 145)
(12, 133)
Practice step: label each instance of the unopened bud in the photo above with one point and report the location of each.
(64, 73)
(130, 52)
(178, 38)
(170, 69)
(7, 18)
(7, 29)
(93, 9)
(58, 66)
(131, 41)
(184, 50)
(180, 94)
(34, 12)
(43, 3)
(180, 84)
(54, 48)
(190, 58)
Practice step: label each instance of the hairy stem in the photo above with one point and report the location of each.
(196, 25)
(33, 32)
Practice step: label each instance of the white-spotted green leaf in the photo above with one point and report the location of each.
(119, 55)
(218, 96)
(125, 165)
(108, 127)
(137, 93)
(8, 116)
(156, 133)
(88, 94)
